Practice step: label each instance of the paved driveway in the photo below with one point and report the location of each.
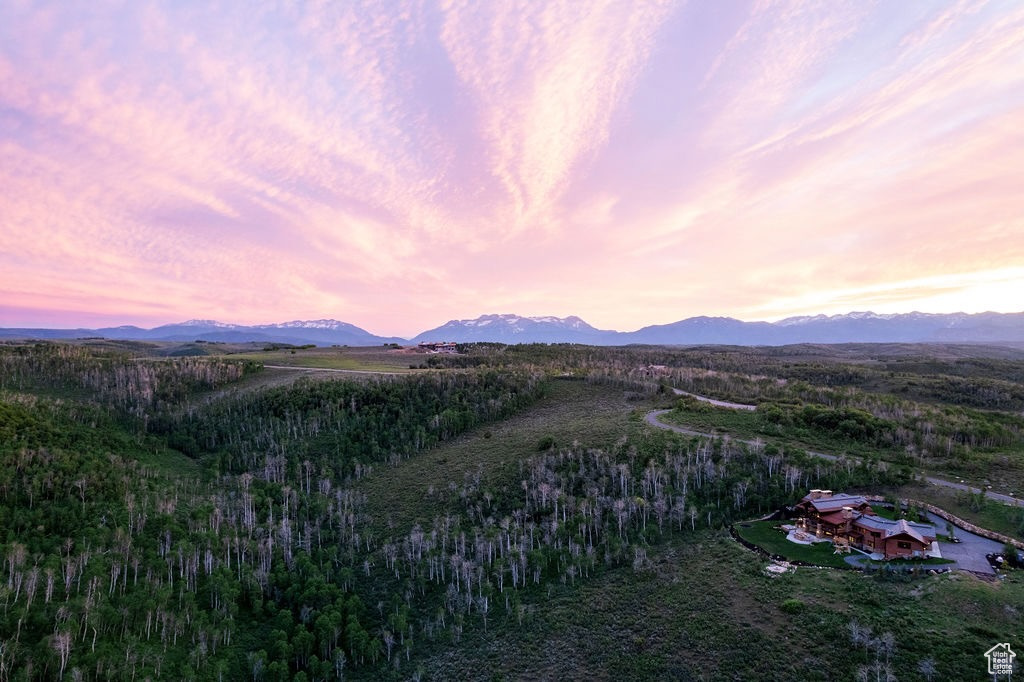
(970, 552)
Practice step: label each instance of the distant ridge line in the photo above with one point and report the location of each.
(854, 327)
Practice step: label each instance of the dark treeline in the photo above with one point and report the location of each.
(745, 373)
(342, 426)
(901, 426)
(137, 386)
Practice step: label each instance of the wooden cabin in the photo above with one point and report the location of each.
(850, 519)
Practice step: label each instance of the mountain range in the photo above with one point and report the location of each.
(298, 332)
(856, 327)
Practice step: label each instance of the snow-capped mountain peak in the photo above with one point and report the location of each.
(800, 319)
(844, 317)
(511, 328)
(311, 324)
(207, 323)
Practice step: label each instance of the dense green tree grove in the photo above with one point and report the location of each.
(84, 592)
(135, 385)
(941, 436)
(343, 426)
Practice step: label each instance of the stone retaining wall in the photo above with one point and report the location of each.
(966, 525)
(955, 520)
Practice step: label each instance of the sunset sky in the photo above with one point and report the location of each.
(399, 164)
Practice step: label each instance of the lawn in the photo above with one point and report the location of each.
(767, 536)
(884, 512)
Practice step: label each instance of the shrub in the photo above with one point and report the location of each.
(792, 606)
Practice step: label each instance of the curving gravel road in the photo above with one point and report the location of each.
(712, 401)
(652, 418)
(334, 370)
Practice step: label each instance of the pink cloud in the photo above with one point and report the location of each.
(399, 165)
(547, 80)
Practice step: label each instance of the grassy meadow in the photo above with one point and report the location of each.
(569, 411)
(372, 359)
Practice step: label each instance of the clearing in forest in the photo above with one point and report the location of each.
(420, 488)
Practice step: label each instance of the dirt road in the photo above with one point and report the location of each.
(653, 418)
(331, 369)
(712, 401)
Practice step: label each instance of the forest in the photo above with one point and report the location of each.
(190, 518)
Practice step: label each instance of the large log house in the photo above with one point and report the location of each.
(849, 519)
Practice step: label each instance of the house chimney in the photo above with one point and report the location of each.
(815, 494)
(847, 513)
(826, 493)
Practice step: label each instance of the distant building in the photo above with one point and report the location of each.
(850, 520)
(440, 347)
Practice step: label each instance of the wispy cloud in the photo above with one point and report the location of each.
(939, 293)
(546, 79)
(397, 164)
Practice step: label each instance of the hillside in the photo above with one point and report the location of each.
(505, 512)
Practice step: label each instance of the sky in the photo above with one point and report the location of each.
(399, 164)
